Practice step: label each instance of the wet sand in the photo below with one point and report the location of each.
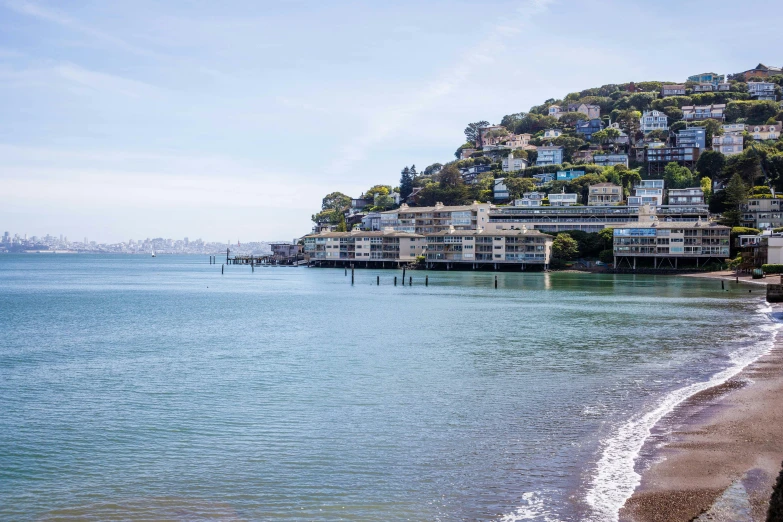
(716, 457)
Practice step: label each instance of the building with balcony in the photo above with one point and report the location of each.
(709, 77)
(563, 199)
(521, 249)
(530, 199)
(670, 244)
(604, 194)
(610, 160)
(762, 90)
(762, 213)
(590, 218)
(686, 196)
(692, 137)
(653, 120)
(551, 155)
(657, 158)
(374, 248)
(703, 112)
(555, 111)
(586, 128)
(728, 144)
(647, 192)
(673, 90)
(500, 190)
(427, 220)
(704, 87)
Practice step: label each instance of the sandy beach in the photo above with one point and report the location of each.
(716, 457)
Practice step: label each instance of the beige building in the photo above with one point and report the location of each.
(762, 213)
(729, 144)
(521, 247)
(765, 132)
(428, 220)
(604, 194)
(340, 248)
(667, 244)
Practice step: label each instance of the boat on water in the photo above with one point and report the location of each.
(153, 252)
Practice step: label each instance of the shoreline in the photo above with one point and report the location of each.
(717, 454)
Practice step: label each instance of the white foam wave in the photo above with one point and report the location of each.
(533, 508)
(616, 479)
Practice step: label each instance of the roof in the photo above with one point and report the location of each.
(711, 107)
(673, 224)
(361, 233)
(604, 185)
(520, 232)
(444, 208)
(674, 86)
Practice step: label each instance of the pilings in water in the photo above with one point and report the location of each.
(377, 280)
(351, 274)
(222, 267)
(496, 281)
(410, 280)
(426, 280)
(395, 280)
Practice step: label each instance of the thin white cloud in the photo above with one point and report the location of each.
(56, 17)
(393, 119)
(103, 82)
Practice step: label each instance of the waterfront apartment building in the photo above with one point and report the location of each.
(590, 218)
(340, 248)
(668, 244)
(762, 213)
(427, 220)
(604, 194)
(610, 160)
(479, 248)
(654, 120)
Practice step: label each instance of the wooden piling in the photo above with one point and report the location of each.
(426, 280)
(496, 281)
(222, 267)
(403, 276)
(377, 280)
(410, 280)
(352, 275)
(395, 280)
(722, 285)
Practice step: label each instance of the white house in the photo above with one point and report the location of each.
(654, 120)
(563, 199)
(551, 134)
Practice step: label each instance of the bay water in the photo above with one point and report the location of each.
(134, 388)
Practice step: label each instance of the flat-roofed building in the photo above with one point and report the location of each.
(657, 158)
(339, 248)
(686, 196)
(604, 194)
(530, 199)
(520, 248)
(703, 112)
(590, 218)
(673, 90)
(563, 199)
(728, 144)
(426, 220)
(762, 213)
(550, 155)
(610, 160)
(647, 192)
(667, 244)
(692, 137)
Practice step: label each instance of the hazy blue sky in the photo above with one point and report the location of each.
(232, 119)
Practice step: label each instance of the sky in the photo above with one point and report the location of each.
(231, 120)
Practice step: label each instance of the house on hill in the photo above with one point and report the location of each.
(654, 120)
(549, 156)
(591, 111)
(551, 134)
(703, 112)
(586, 129)
(709, 77)
(555, 111)
(762, 71)
(673, 90)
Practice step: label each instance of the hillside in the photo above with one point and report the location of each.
(599, 121)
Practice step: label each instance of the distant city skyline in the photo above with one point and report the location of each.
(235, 119)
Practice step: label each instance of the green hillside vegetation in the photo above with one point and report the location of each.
(620, 104)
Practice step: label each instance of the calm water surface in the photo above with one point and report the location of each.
(134, 388)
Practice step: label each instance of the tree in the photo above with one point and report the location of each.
(472, 131)
(378, 190)
(406, 182)
(564, 247)
(433, 169)
(658, 134)
(706, 187)
(336, 201)
(571, 118)
(383, 202)
(630, 122)
(570, 145)
(710, 164)
(449, 176)
(518, 186)
(736, 194)
(342, 226)
(458, 152)
(677, 176)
